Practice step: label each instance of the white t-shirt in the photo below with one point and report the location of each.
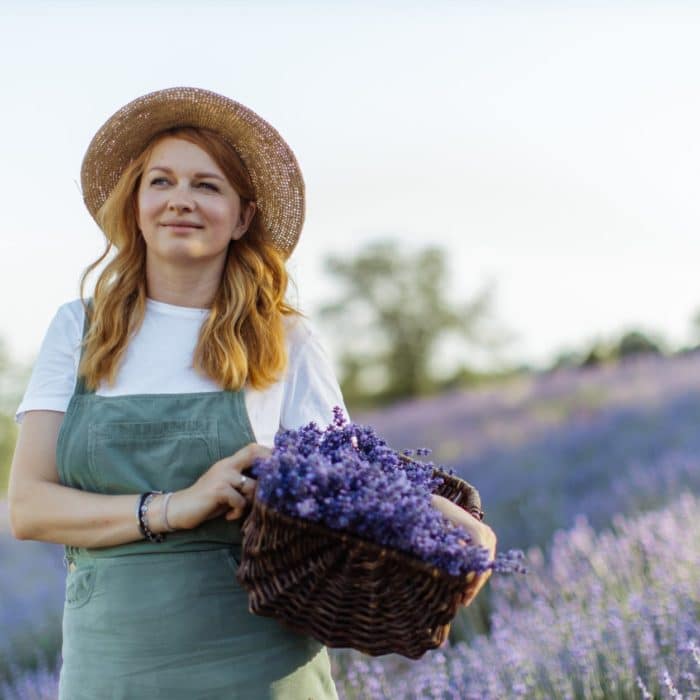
(158, 361)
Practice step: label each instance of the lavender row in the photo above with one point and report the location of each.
(466, 423)
(40, 683)
(611, 615)
(31, 603)
(542, 459)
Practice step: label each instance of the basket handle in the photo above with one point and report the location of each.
(460, 492)
(454, 489)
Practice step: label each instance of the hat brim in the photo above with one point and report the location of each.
(271, 164)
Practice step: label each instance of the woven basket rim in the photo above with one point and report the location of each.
(382, 550)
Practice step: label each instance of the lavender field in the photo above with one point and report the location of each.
(595, 473)
(611, 615)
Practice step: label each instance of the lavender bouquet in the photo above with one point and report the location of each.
(343, 544)
(347, 478)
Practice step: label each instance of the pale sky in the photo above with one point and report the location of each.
(550, 148)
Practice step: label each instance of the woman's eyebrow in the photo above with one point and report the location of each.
(197, 175)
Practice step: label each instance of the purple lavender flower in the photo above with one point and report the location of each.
(37, 684)
(31, 601)
(347, 478)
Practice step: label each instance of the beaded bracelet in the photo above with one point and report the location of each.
(144, 501)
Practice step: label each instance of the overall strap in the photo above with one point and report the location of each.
(80, 387)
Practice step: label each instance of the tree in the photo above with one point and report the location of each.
(8, 438)
(13, 378)
(596, 355)
(391, 313)
(636, 343)
(695, 327)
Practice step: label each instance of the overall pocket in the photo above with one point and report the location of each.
(151, 455)
(232, 555)
(80, 583)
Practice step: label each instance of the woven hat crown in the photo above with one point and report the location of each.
(271, 164)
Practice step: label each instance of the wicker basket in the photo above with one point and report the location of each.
(348, 592)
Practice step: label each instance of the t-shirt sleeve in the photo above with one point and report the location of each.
(311, 388)
(53, 377)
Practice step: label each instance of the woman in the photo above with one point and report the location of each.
(148, 403)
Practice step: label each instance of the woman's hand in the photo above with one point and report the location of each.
(221, 489)
(480, 533)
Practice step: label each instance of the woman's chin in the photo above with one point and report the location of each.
(187, 253)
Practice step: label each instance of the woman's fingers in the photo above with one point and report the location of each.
(236, 502)
(237, 463)
(479, 533)
(245, 485)
(475, 585)
(242, 484)
(245, 457)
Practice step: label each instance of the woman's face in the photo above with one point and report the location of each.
(187, 210)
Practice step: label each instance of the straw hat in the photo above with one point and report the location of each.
(271, 164)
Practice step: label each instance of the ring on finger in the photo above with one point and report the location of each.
(243, 481)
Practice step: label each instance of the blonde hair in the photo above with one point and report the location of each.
(243, 338)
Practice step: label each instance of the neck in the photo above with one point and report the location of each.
(190, 285)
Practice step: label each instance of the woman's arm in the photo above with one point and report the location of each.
(41, 508)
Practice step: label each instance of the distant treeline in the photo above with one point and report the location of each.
(393, 313)
(13, 379)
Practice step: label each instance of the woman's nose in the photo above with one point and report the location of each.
(181, 200)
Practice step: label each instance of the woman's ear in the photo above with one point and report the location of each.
(246, 217)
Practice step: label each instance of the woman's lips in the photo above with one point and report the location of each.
(184, 227)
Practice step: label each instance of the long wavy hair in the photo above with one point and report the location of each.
(243, 338)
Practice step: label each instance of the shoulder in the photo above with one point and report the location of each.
(53, 376)
(297, 329)
(65, 333)
(71, 314)
(311, 388)
(66, 328)
(304, 342)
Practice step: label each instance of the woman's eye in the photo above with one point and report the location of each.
(159, 180)
(209, 186)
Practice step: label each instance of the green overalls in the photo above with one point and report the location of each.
(147, 620)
